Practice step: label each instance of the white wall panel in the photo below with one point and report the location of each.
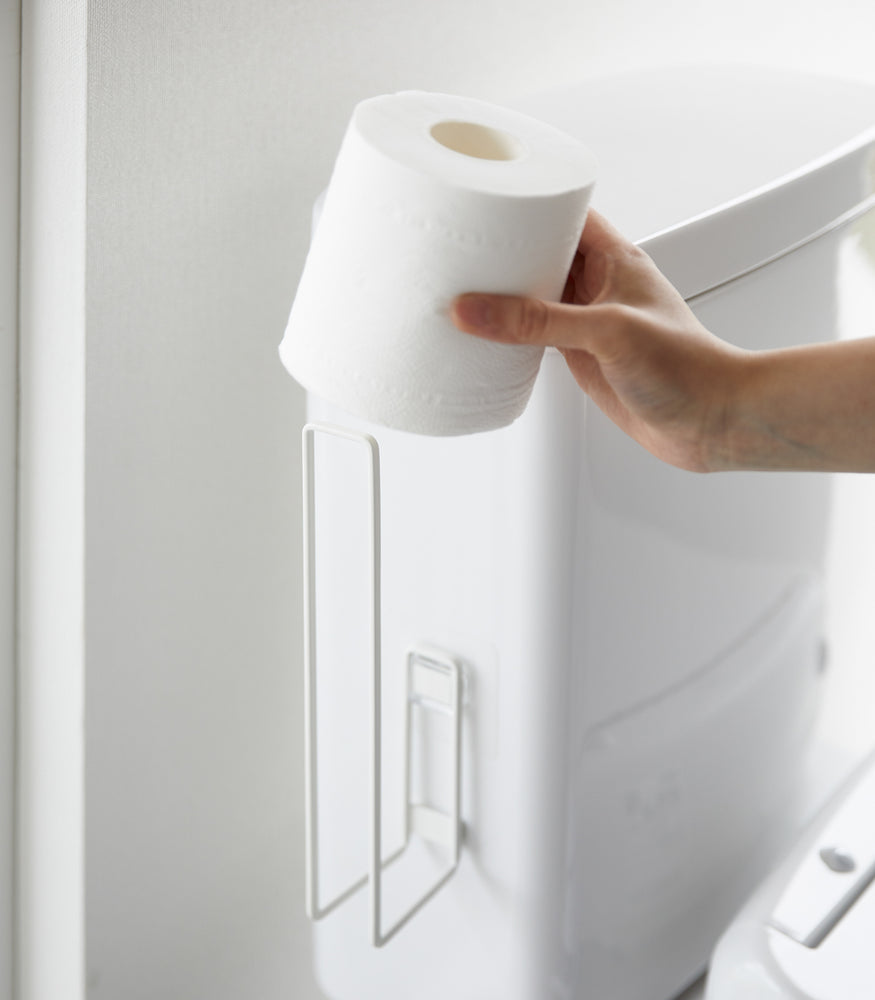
(51, 546)
(9, 91)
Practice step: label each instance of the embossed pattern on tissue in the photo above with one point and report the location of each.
(399, 214)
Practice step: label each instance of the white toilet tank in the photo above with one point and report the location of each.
(641, 648)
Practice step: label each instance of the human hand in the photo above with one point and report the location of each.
(631, 343)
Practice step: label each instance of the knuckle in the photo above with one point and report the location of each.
(618, 327)
(635, 253)
(632, 256)
(619, 317)
(532, 320)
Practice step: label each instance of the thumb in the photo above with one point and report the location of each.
(513, 319)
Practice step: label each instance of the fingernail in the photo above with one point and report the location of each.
(475, 311)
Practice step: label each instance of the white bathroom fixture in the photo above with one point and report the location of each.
(807, 933)
(639, 650)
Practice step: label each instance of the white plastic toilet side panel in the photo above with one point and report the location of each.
(676, 567)
(481, 538)
(676, 811)
(698, 658)
(574, 865)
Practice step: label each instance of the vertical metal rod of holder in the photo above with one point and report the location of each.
(316, 910)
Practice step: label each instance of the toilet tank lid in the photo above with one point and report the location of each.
(716, 170)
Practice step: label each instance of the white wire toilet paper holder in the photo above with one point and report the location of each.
(434, 683)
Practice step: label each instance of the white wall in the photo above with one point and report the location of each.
(211, 126)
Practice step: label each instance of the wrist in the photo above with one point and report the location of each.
(737, 439)
(800, 409)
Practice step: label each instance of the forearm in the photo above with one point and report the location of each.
(805, 408)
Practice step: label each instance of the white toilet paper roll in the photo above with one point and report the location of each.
(431, 196)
